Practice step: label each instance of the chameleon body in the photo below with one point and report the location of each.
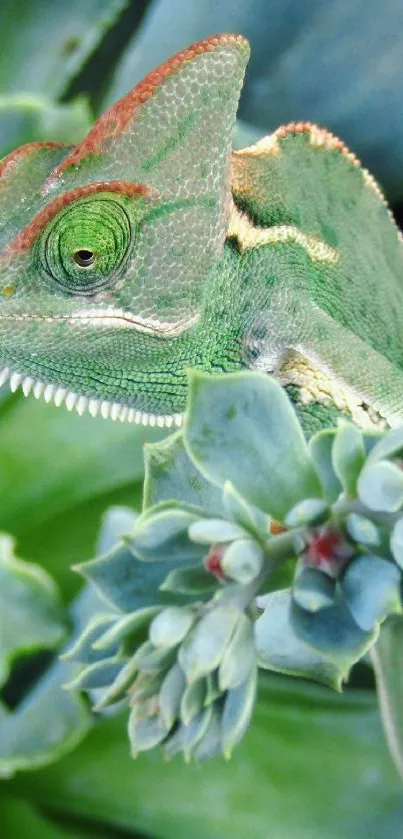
(152, 247)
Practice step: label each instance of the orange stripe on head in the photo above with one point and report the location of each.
(29, 234)
(114, 121)
(7, 163)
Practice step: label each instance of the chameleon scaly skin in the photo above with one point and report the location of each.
(152, 247)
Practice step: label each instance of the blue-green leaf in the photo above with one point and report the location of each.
(390, 445)
(209, 531)
(320, 448)
(163, 535)
(241, 427)
(313, 590)
(171, 693)
(371, 586)
(280, 649)
(362, 529)
(127, 583)
(348, 455)
(192, 580)
(253, 520)
(171, 474)
(243, 560)
(205, 645)
(380, 486)
(396, 542)
(31, 614)
(237, 713)
(333, 633)
(310, 511)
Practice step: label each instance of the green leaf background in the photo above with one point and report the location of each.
(313, 764)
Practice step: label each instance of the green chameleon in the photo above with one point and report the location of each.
(152, 247)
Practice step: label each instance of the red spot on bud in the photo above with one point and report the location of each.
(212, 562)
(327, 550)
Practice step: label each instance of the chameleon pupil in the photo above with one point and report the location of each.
(84, 258)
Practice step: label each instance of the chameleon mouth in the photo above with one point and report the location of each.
(95, 407)
(115, 319)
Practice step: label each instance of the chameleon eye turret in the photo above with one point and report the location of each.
(84, 246)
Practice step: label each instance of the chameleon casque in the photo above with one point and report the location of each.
(151, 247)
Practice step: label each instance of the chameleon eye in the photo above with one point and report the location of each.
(85, 244)
(84, 258)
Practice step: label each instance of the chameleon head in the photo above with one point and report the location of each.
(106, 248)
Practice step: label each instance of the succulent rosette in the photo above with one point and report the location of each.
(254, 549)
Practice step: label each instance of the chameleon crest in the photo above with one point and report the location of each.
(151, 247)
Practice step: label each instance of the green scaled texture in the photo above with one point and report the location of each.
(151, 247)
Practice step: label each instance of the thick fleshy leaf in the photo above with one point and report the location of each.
(119, 687)
(82, 650)
(313, 590)
(171, 625)
(320, 448)
(362, 529)
(45, 45)
(243, 561)
(150, 659)
(186, 737)
(280, 649)
(50, 721)
(116, 522)
(128, 583)
(171, 474)
(396, 542)
(32, 617)
(192, 580)
(280, 760)
(245, 515)
(126, 629)
(239, 657)
(389, 446)
(210, 744)
(380, 486)
(209, 531)
(146, 733)
(386, 656)
(163, 535)
(237, 713)
(170, 695)
(371, 586)
(310, 511)
(98, 675)
(241, 427)
(333, 633)
(348, 455)
(193, 700)
(204, 647)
